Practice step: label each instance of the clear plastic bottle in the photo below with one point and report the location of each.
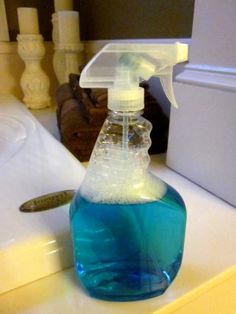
(127, 225)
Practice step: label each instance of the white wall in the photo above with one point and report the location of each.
(214, 31)
(202, 132)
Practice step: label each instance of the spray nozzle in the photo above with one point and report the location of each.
(120, 68)
(138, 65)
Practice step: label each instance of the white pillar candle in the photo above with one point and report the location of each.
(63, 5)
(28, 20)
(68, 28)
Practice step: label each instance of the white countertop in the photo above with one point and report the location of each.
(32, 163)
(210, 248)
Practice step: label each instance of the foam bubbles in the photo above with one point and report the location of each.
(119, 176)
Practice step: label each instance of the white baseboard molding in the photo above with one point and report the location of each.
(202, 144)
(207, 75)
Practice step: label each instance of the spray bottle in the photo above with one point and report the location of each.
(127, 225)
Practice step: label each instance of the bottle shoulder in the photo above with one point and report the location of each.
(124, 187)
(151, 190)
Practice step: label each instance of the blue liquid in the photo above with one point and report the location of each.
(127, 252)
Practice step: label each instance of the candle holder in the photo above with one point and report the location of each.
(34, 81)
(66, 56)
(58, 56)
(71, 53)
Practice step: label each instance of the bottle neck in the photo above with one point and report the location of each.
(125, 98)
(125, 121)
(129, 114)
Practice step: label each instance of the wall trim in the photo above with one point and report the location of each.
(92, 47)
(8, 47)
(209, 76)
(11, 47)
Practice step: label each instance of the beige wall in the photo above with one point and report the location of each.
(11, 68)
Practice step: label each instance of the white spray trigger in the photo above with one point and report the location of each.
(141, 61)
(166, 83)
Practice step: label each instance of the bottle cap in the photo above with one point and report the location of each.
(126, 99)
